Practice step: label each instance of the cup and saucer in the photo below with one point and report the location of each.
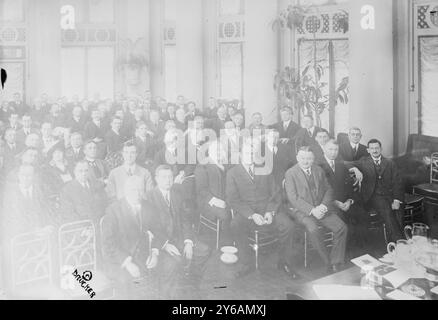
(228, 255)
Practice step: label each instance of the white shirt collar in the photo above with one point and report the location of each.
(329, 161)
(306, 170)
(286, 123)
(354, 145)
(377, 159)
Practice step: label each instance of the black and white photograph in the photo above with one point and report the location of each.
(237, 151)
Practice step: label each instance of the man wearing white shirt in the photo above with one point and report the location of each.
(353, 150)
(311, 196)
(171, 225)
(128, 248)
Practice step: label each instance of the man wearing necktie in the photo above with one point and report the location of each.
(173, 232)
(306, 136)
(311, 199)
(256, 201)
(352, 149)
(382, 189)
(128, 248)
(348, 202)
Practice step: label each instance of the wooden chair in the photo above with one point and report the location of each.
(413, 208)
(259, 240)
(212, 225)
(376, 223)
(77, 251)
(328, 240)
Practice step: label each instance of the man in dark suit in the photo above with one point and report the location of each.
(75, 152)
(83, 198)
(127, 245)
(321, 139)
(26, 129)
(113, 138)
(306, 136)
(381, 188)
(311, 198)
(218, 122)
(11, 150)
(210, 181)
(349, 205)
(173, 232)
(353, 150)
(282, 159)
(77, 121)
(288, 130)
(19, 105)
(13, 121)
(145, 144)
(98, 168)
(95, 130)
(56, 117)
(255, 200)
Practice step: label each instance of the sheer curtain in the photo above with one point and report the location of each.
(428, 87)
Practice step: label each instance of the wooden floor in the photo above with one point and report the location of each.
(268, 283)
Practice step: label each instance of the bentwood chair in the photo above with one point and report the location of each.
(77, 251)
(328, 241)
(214, 225)
(258, 240)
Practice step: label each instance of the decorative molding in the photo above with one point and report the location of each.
(12, 52)
(89, 35)
(10, 35)
(231, 29)
(169, 33)
(324, 22)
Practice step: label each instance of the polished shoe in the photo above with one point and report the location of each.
(289, 271)
(245, 270)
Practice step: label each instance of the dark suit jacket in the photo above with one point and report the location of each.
(247, 197)
(340, 180)
(92, 131)
(215, 124)
(281, 161)
(347, 154)
(145, 150)
(21, 215)
(99, 171)
(10, 156)
(210, 182)
(58, 121)
(72, 157)
(124, 235)
(290, 133)
(21, 136)
(76, 126)
(391, 180)
(79, 203)
(165, 224)
(299, 194)
(114, 141)
(21, 108)
(304, 139)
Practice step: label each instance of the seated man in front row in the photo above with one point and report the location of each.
(256, 199)
(348, 202)
(311, 196)
(173, 232)
(126, 241)
(382, 188)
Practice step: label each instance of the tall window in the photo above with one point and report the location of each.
(231, 32)
(88, 52)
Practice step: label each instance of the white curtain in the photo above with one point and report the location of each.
(429, 81)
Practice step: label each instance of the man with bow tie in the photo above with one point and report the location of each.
(256, 200)
(128, 250)
(382, 189)
(170, 223)
(311, 199)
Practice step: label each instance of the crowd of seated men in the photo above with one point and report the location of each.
(120, 164)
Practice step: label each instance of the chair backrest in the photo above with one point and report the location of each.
(77, 245)
(434, 168)
(31, 259)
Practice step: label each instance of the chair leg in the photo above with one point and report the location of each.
(256, 249)
(384, 234)
(305, 250)
(218, 229)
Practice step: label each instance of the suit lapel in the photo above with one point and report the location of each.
(383, 164)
